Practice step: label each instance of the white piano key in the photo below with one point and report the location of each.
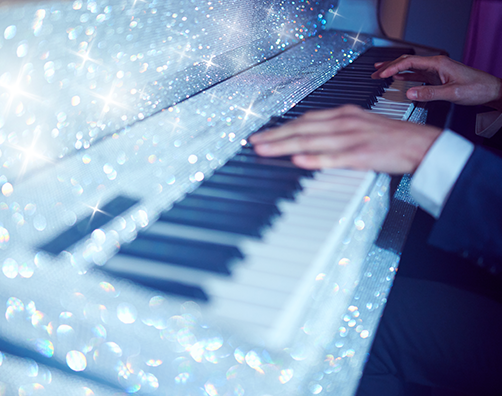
(317, 202)
(244, 274)
(139, 266)
(247, 313)
(196, 233)
(275, 266)
(220, 289)
(260, 249)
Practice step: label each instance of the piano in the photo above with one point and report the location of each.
(145, 248)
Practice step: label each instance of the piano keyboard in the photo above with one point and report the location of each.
(251, 239)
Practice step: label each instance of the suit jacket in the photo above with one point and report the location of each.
(471, 222)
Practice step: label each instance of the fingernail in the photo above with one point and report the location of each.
(412, 94)
(377, 64)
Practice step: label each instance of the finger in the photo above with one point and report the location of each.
(428, 93)
(407, 62)
(379, 65)
(317, 122)
(294, 128)
(310, 144)
(416, 77)
(329, 114)
(347, 159)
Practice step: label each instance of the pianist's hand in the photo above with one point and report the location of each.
(349, 137)
(448, 80)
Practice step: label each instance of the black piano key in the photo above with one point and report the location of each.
(324, 104)
(255, 182)
(265, 172)
(264, 162)
(340, 92)
(216, 192)
(85, 227)
(229, 222)
(250, 152)
(262, 195)
(331, 97)
(229, 206)
(202, 255)
(377, 89)
(166, 286)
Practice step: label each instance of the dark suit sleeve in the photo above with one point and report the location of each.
(471, 221)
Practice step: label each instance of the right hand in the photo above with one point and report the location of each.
(449, 80)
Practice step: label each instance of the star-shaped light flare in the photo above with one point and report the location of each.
(108, 100)
(30, 154)
(209, 63)
(14, 89)
(84, 54)
(248, 112)
(356, 39)
(335, 14)
(95, 209)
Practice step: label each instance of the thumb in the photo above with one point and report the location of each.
(427, 93)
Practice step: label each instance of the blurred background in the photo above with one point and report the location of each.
(468, 29)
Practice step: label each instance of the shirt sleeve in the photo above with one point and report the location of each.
(435, 177)
(488, 124)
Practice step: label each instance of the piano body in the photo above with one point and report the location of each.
(123, 129)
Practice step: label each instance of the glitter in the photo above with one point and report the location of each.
(192, 159)
(39, 223)
(197, 351)
(199, 176)
(315, 389)
(44, 347)
(154, 362)
(254, 361)
(210, 389)
(26, 271)
(182, 378)
(107, 287)
(37, 319)
(10, 268)
(99, 331)
(10, 32)
(127, 313)
(14, 307)
(7, 189)
(359, 224)
(286, 375)
(4, 237)
(76, 361)
(239, 356)
(344, 262)
(22, 49)
(320, 277)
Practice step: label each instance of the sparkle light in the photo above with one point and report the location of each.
(356, 39)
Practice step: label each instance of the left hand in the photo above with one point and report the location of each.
(349, 137)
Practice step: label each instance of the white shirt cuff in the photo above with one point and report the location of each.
(437, 174)
(488, 124)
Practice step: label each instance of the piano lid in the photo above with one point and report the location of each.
(73, 72)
